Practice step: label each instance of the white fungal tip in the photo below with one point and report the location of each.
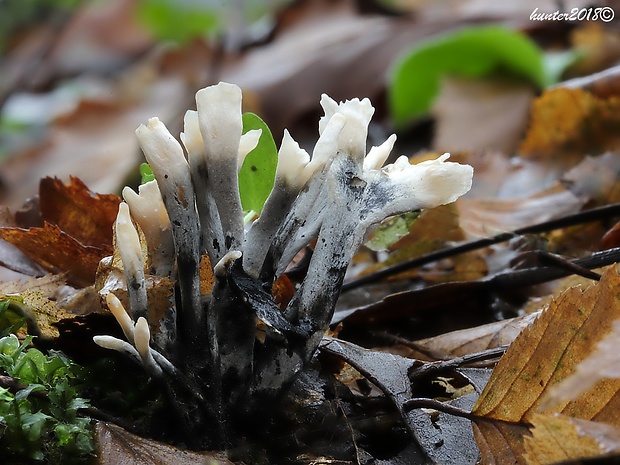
(247, 143)
(227, 260)
(292, 160)
(142, 338)
(118, 310)
(378, 155)
(191, 137)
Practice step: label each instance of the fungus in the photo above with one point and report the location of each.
(213, 362)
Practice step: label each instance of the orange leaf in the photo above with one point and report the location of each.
(58, 252)
(85, 216)
(571, 122)
(548, 351)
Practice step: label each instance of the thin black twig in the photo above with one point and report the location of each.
(587, 216)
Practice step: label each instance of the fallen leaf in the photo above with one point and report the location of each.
(566, 123)
(116, 446)
(85, 216)
(604, 362)
(283, 291)
(57, 252)
(206, 275)
(50, 286)
(463, 106)
(598, 45)
(557, 438)
(595, 179)
(611, 238)
(442, 438)
(549, 351)
(489, 216)
(540, 357)
(46, 312)
(432, 230)
(500, 442)
(95, 143)
(476, 339)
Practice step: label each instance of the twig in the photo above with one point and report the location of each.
(437, 405)
(587, 216)
(431, 367)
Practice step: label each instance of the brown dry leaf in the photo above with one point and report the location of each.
(611, 238)
(543, 355)
(549, 351)
(477, 339)
(596, 179)
(557, 438)
(490, 216)
(535, 304)
(599, 46)
(500, 442)
(57, 252)
(96, 143)
(604, 362)
(49, 285)
(85, 216)
(45, 311)
(566, 123)
(465, 105)
(116, 446)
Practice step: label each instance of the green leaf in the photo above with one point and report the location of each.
(9, 344)
(470, 52)
(30, 367)
(146, 173)
(391, 231)
(33, 423)
(179, 21)
(258, 172)
(24, 393)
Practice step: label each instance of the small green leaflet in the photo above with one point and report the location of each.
(258, 172)
(146, 173)
(390, 231)
(470, 52)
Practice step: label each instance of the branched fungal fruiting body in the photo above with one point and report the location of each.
(205, 349)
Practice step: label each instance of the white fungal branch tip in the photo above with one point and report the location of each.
(128, 241)
(219, 117)
(247, 143)
(119, 312)
(227, 260)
